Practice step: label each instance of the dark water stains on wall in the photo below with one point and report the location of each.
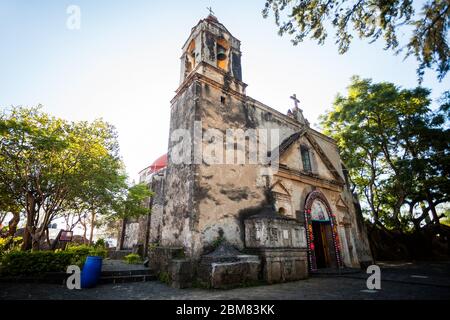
(235, 193)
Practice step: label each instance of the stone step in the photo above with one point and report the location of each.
(129, 278)
(120, 273)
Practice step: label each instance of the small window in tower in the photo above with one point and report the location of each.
(306, 158)
(222, 100)
(282, 211)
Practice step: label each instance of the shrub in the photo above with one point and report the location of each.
(9, 244)
(39, 262)
(133, 258)
(100, 252)
(79, 254)
(218, 241)
(164, 277)
(85, 250)
(152, 246)
(35, 262)
(100, 243)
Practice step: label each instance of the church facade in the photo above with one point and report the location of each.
(229, 156)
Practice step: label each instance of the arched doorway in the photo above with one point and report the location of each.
(322, 237)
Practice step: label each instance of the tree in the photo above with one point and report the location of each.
(371, 20)
(9, 205)
(47, 162)
(396, 149)
(99, 192)
(131, 204)
(72, 219)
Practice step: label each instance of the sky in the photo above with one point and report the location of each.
(123, 65)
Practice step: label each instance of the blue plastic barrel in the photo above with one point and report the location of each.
(91, 271)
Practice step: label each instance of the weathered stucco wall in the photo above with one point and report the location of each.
(180, 216)
(224, 190)
(157, 184)
(131, 234)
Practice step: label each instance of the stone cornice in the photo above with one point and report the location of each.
(312, 179)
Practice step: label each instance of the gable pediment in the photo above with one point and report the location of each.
(290, 156)
(279, 188)
(340, 203)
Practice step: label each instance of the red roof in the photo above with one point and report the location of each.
(158, 164)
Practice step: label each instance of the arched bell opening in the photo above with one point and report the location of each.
(222, 53)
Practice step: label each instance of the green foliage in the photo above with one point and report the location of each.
(153, 246)
(82, 251)
(54, 165)
(133, 258)
(164, 277)
(79, 254)
(199, 284)
(396, 149)
(371, 20)
(99, 252)
(446, 219)
(131, 203)
(9, 244)
(100, 243)
(218, 241)
(37, 262)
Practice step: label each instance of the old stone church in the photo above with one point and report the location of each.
(226, 222)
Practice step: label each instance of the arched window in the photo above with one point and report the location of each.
(306, 159)
(282, 210)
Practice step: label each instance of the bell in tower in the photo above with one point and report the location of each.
(221, 53)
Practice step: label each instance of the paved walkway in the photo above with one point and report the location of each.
(398, 281)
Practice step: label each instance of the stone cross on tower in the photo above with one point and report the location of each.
(296, 112)
(211, 12)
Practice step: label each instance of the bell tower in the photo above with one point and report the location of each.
(212, 51)
(211, 94)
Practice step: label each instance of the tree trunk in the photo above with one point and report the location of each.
(91, 236)
(36, 237)
(31, 212)
(84, 232)
(26, 244)
(47, 236)
(122, 233)
(12, 225)
(433, 210)
(27, 239)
